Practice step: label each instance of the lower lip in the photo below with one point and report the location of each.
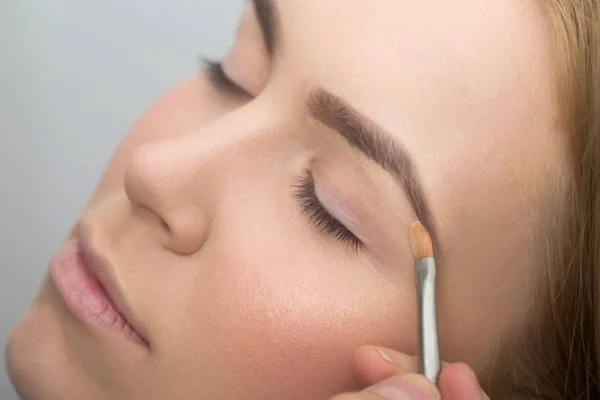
(84, 296)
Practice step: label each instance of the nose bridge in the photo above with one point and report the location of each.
(181, 180)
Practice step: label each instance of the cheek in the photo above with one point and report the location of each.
(287, 321)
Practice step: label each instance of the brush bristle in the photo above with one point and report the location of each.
(420, 241)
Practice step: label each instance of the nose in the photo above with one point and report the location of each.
(170, 187)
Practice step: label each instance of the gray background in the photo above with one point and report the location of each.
(74, 76)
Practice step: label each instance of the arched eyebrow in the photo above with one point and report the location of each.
(377, 144)
(266, 13)
(358, 130)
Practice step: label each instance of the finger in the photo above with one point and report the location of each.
(458, 382)
(357, 396)
(372, 364)
(398, 387)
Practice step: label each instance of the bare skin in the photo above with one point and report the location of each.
(237, 292)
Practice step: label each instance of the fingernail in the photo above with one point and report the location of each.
(398, 359)
(406, 387)
(384, 356)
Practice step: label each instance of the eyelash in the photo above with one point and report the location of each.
(219, 79)
(305, 189)
(324, 221)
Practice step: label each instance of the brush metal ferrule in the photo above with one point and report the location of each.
(429, 348)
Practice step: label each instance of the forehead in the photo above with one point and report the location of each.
(465, 85)
(407, 58)
(453, 79)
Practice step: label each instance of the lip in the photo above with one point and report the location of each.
(85, 280)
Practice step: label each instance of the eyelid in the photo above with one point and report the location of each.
(336, 207)
(319, 216)
(220, 80)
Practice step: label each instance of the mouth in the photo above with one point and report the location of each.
(83, 279)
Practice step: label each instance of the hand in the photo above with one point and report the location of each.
(391, 375)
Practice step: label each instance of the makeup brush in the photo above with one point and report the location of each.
(429, 348)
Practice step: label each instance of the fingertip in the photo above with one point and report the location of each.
(368, 367)
(372, 364)
(465, 371)
(407, 386)
(458, 381)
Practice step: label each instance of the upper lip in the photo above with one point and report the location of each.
(101, 269)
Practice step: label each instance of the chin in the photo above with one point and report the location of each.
(35, 358)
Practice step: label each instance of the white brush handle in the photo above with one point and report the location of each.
(429, 348)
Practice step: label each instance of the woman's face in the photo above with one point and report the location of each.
(258, 235)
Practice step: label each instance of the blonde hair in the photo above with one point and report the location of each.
(559, 357)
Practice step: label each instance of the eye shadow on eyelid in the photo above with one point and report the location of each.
(338, 209)
(353, 217)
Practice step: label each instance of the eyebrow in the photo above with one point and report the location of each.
(358, 130)
(266, 13)
(374, 142)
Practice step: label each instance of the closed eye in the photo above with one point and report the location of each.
(319, 216)
(220, 81)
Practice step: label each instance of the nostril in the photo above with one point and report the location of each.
(145, 187)
(165, 226)
(164, 184)
(151, 221)
(188, 232)
(149, 178)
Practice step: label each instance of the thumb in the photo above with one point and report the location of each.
(372, 364)
(398, 387)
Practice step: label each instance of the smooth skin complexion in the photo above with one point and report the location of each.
(258, 241)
